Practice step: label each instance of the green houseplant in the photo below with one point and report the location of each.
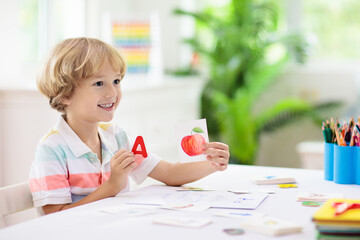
(245, 53)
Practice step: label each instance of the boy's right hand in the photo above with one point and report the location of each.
(121, 165)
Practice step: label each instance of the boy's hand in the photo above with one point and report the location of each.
(218, 154)
(121, 165)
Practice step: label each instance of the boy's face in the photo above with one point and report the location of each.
(95, 99)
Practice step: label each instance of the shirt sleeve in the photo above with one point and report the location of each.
(140, 173)
(49, 177)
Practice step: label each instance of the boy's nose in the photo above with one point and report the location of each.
(111, 91)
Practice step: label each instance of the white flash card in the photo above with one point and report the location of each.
(182, 221)
(128, 211)
(191, 207)
(190, 136)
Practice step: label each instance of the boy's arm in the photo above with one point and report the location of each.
(176, 174)
(104, 191)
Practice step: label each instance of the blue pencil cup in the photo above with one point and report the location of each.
(357, 166)
(344, 164)
(329, 161)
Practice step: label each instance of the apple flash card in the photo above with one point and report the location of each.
(190, 137)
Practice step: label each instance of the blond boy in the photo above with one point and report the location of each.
(81, 160)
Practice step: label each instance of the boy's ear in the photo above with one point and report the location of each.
(66, 101)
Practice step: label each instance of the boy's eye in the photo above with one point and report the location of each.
(117, 81)
(99, 83)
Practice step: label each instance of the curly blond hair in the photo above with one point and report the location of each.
(71, 61)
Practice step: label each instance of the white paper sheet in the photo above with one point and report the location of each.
(160, 195)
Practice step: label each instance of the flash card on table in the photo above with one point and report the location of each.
(189, 138)
(239, 214)
(254, 190)
(271, 226)
(320, 197)
(188, 207)
(239, 191)
(273, 180)
(287, 185)
(188, 188)
(128, 211)
(182, 221)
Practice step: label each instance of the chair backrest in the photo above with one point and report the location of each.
(13, 199)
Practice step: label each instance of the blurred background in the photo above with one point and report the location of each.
(263, 73)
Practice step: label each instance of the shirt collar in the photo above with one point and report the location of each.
(78, 147)
(75, 144)
(108, 140)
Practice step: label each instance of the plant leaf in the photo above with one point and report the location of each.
(283, 112)
(236, 124)
(260, 79)
(290, 110)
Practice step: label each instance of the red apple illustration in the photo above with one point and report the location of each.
(192, 144)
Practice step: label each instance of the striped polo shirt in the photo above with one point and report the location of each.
(65, 170)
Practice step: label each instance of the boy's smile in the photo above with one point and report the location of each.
(107, 107)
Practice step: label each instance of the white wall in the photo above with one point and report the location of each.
(25, 117)
(10, 41)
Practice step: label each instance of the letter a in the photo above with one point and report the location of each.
(139, 141)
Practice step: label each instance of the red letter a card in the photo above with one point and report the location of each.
(139, 154)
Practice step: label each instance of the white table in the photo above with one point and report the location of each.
(88, 222)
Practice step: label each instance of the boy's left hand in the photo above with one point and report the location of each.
(218, 154)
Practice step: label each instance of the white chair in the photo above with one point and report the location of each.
(13, 200)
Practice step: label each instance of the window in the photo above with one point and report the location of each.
(29, 33)
(19, 41)
(335, 27)
(31, 28)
